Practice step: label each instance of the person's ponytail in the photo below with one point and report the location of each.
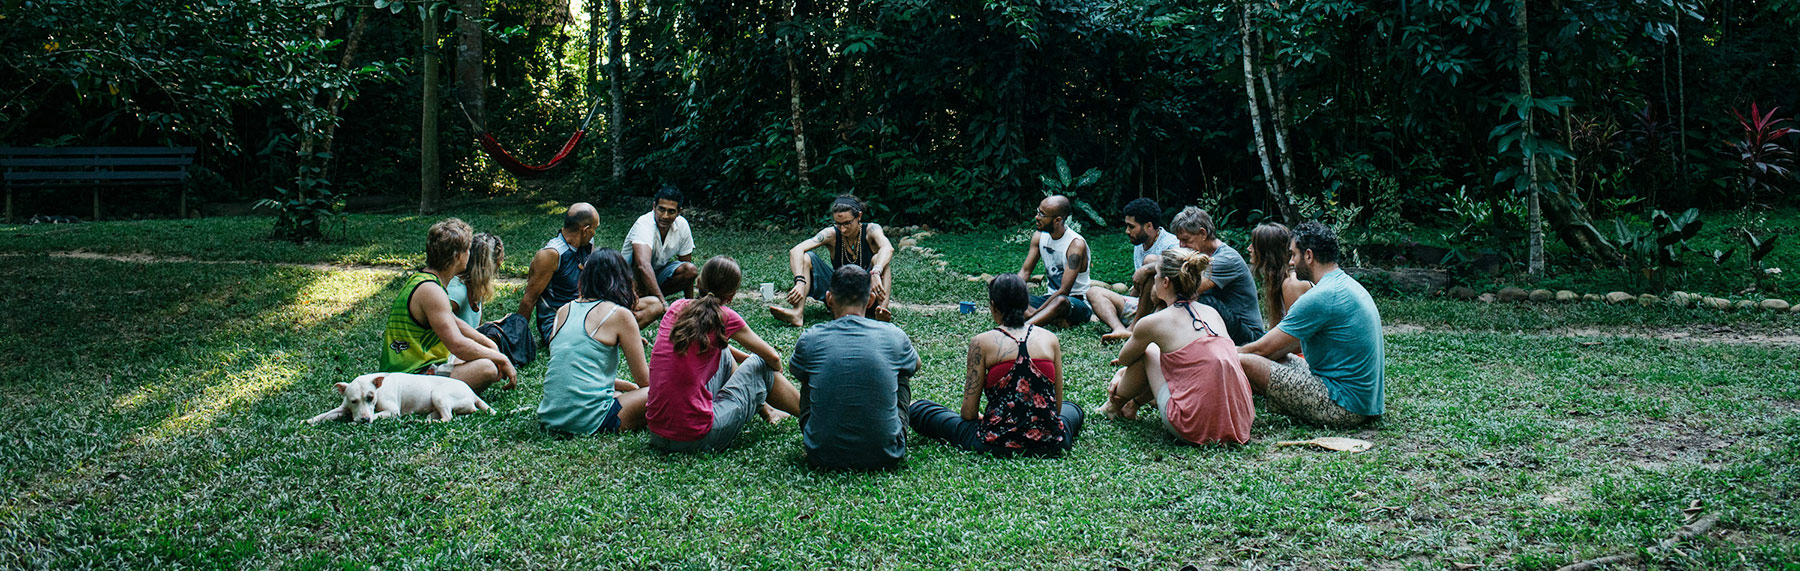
(701, 325)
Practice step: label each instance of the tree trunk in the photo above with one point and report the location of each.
(1681, 134)
(471, 81)
(428, 121)
(337, 97)
(1279, 113)
(794, 103)
(1534, 222)
(593, 47)
(1282, 204)
(615, 91)
(1576, 229)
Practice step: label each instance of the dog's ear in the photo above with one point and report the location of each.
(377, 381)
(343, 387)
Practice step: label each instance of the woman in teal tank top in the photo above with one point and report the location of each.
(582, 392)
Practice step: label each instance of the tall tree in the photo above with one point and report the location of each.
(789, 46)
(429, 181)
(615, 89)
(471, 79)
(1277, 193)
(1534, 216)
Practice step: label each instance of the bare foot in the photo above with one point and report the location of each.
(790, 316)
(771, 415)
(882, 313)
(1115, 336)
(1126, 409)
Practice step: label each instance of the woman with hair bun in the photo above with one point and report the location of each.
(1019, 368)
(1181, 359)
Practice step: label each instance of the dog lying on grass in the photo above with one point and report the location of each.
(387, 395)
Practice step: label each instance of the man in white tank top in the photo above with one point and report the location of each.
(1065, 256)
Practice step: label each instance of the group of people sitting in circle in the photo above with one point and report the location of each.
(1194, 340)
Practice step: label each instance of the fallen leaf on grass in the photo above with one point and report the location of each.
(1593, 343)
(1337, 443)
(1693, 509)
(1464, 566)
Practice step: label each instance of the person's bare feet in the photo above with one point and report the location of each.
(882, 313)
(790, 316)
(1115, 336)
(1116, 407)
(771, 415)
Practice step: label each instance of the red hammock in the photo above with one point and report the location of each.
(518, 168)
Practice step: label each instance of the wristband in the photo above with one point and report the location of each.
(799, 279)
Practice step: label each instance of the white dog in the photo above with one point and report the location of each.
(387, 395)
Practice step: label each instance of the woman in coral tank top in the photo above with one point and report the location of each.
(1181, 359)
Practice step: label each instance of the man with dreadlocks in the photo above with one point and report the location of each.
(851, 241)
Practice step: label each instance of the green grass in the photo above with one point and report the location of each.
(153, 418)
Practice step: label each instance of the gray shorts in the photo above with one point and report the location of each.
(738, 392)
(1296, 392)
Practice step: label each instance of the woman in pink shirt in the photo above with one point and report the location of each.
(700, 395)
(1181, 359)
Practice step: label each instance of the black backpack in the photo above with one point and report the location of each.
(513, 336)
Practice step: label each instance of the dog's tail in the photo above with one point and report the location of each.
(483, 405)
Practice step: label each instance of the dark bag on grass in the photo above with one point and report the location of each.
(513, 336)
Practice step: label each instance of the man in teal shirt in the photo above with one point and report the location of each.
(1340, 381)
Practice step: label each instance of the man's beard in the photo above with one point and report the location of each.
(1303, 272)
(1137, 239)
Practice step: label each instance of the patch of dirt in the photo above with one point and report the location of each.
(1656, 445)
(139, 258)
(1694, 334)
(1701, 333)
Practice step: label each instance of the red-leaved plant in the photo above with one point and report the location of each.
(1762, 151)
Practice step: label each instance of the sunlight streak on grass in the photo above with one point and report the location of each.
(275, 373)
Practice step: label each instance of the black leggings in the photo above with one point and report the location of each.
(933, 420)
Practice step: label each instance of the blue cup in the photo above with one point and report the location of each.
(966, 307)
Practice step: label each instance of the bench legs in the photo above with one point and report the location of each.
(96, 204)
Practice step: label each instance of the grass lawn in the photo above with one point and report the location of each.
(153, 412)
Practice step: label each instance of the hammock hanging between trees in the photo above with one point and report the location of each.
(512, 164)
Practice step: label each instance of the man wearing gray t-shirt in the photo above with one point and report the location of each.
(1228, 286)
(853, 374)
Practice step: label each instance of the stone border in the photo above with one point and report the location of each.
(1679, 299)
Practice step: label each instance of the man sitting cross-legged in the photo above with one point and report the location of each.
(660, 250)
(1065, 256)
(1340, 381)
(851, 241)
(423, 333)
(854, 376)
(555, 273)
(1143, 225)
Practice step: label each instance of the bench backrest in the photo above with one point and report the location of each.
(91, 166)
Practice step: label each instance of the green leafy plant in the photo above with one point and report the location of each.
(1760, 247)
(1652, 251)
(1071, 186)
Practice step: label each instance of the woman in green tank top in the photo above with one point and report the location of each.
(582, 393)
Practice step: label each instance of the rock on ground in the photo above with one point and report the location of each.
(1513, 294)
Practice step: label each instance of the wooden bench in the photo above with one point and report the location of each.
(33, 167)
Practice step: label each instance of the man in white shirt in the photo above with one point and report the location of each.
(660, 249)
(1143, 225)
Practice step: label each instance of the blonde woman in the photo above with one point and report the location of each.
(1182, 359)
(474, 287)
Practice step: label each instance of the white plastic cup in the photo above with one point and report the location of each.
(768, 292)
